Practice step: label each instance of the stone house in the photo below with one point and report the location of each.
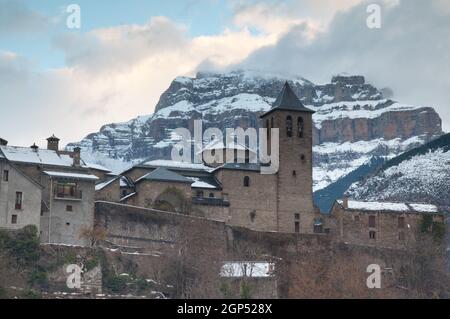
(20, 198)
(66, 200)
(383, 224)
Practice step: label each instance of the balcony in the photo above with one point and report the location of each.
(73, 195)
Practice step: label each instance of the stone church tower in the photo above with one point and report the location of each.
(294, 200)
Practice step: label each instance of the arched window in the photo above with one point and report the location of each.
(199, 194)
(289, 126)
(246, 181)
(300, 126)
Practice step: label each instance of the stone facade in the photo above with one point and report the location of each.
(16, 213)
(111, 192)
(384, 228)
(68, 219)
(293, 186)
(167, 196)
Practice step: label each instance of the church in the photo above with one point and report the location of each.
(234, 193)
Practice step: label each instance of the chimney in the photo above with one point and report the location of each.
(76, 157)
(3, 142)
(34, 147)
(345, 201)
(53, 143)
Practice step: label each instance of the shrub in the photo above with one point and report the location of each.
(117, 284)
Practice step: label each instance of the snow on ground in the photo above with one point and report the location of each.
(357, 109)
(425, 175)
(346, 157)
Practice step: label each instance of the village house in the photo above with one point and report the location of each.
(384, 224)
(52, 189)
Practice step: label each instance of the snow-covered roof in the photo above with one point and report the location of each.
(102, 185)
(200, 182)
(97, 167)
(247, 269)
(177, 165)
(39, 156)
(79, 176)
(390, 207)
(127, 197)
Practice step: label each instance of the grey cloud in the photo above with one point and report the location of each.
(130, 45)
(15, 17)
(410, 53)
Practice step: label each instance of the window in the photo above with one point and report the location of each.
(19, 197)
(5, 175)
(297, 216)
(67, 224)
(199, 194)
(246, 181)
(211, 195)
(401, 222)
(268, 129)
(64, 190)
(372, 235)
(69, 208)
(289, 126)
(297, 227)
(357, 218)
(401, 236)
(294, 173)
(14, 219)
(372, 222)
(300, 127)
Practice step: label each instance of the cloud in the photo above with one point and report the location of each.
(409, 54)
(16, 17)
(113, 74)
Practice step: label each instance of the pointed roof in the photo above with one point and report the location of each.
(53, 138)
(162, 174)
(287, 100)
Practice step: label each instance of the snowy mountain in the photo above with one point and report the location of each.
(354, 121)
(419, 175)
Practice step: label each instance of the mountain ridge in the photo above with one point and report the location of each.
(354, 121)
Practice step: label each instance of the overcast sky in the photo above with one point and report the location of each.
(71, 81)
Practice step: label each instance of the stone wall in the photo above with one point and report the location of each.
(194, 249)
(253, 207)
(110, 193)
(152, 194)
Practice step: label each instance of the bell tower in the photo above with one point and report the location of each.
(295, 208)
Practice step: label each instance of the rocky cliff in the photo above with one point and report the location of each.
(354, 120)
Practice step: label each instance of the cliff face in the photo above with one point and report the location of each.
(354, 120)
